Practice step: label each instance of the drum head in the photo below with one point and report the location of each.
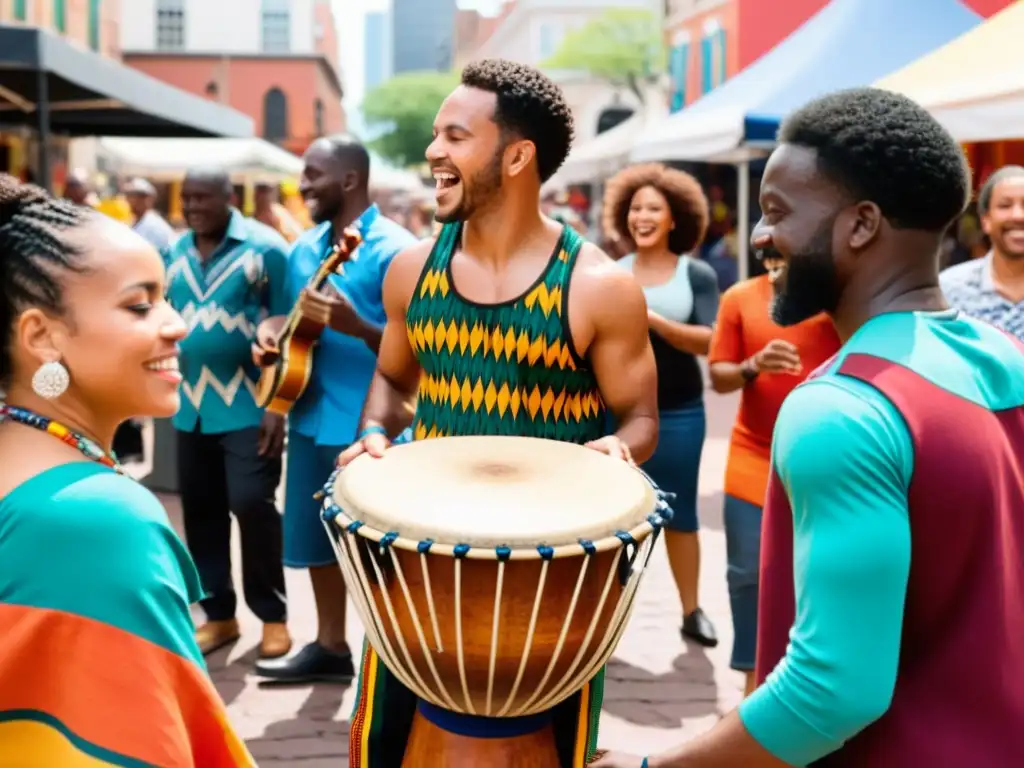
(495, 491)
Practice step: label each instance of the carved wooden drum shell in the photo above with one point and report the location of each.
(494, 575)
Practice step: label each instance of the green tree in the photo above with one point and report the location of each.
(623, 46)
(400, 113)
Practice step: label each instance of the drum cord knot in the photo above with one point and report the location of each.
(628, 556)
(625, 537)
(588, 546)
(387, 540)
(503, 553)
(545, 552)
(354, 526)
(460, 550)
(424, 546)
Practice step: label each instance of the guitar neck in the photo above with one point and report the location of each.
(317, 282)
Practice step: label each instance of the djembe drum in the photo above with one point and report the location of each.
(494, 577)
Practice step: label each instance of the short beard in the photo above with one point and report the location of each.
(810, 284)
(478, 192)
(322, 214)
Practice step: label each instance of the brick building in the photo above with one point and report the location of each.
(93, 24)
(274, 60)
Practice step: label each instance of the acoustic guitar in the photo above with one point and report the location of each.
(289, 363)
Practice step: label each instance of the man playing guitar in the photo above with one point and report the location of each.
(324, 419)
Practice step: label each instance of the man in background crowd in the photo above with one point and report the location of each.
(223, 275)
(141, 196)
(992, 288)
(335, 185)
(270, 211)
(78, 190)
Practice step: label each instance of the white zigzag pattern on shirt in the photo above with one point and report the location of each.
(228, 392)
(250, 262)
(213, 314)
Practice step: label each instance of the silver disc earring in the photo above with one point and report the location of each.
(51, 380)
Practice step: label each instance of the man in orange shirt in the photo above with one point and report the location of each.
(750, 352)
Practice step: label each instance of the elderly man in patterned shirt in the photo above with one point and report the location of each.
(992, 288)
(225, 275)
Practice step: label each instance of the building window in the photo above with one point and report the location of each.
(95, 25)
(60, 16)
(318, 116)
(679, 70)
(275, 115)
(170, 25)
(550, 39)
(21, 10)
(713, 61)
(277, 27)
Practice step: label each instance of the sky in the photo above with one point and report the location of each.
(349, 19)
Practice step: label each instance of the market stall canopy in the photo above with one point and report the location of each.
(608, 152)
(974, 85)
(848, 43)
(385, 176)
(52, 85)
(168, 159)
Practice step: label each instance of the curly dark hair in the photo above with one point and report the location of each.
(686, 201)
(530, 105)
(885, 148)
(33, 251)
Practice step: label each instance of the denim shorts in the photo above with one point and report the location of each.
(306, 543)
(308, 467)
(743, 555)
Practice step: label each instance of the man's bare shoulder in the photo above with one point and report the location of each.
(605, 285)
(413, 258)
(404, 272)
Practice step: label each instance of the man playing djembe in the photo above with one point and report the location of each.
(482, 325)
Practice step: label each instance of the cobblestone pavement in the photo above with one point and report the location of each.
(660, 690)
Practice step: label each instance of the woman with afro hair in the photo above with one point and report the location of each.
(663, 215)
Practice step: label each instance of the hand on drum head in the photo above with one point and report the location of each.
(374, 444)
(616, 760)
(614, 447)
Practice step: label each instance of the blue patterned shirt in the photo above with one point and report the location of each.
(329, 409)
(222, 301)
(970, 288)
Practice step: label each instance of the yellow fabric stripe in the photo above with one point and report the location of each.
(30, 744)
(579, 759)
(367, 694)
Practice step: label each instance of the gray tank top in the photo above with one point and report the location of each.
(689, 297)
(672, 300)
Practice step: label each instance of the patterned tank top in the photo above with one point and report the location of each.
(508, 368)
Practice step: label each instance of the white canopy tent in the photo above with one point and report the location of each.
(168, 159)
(253, 159)
(974, 85)
(608, 152)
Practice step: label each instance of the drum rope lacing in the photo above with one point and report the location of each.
(348, 555)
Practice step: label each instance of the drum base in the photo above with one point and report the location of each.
(431, 746)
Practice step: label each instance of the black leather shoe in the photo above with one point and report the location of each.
(313, 664)
(698, 627)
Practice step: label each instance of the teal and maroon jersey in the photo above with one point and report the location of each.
(892, 567)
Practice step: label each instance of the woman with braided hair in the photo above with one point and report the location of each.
(98, 665)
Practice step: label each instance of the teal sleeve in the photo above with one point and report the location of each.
(279, 296)
(845, 458)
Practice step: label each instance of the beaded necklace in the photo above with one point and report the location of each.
(89, 448)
